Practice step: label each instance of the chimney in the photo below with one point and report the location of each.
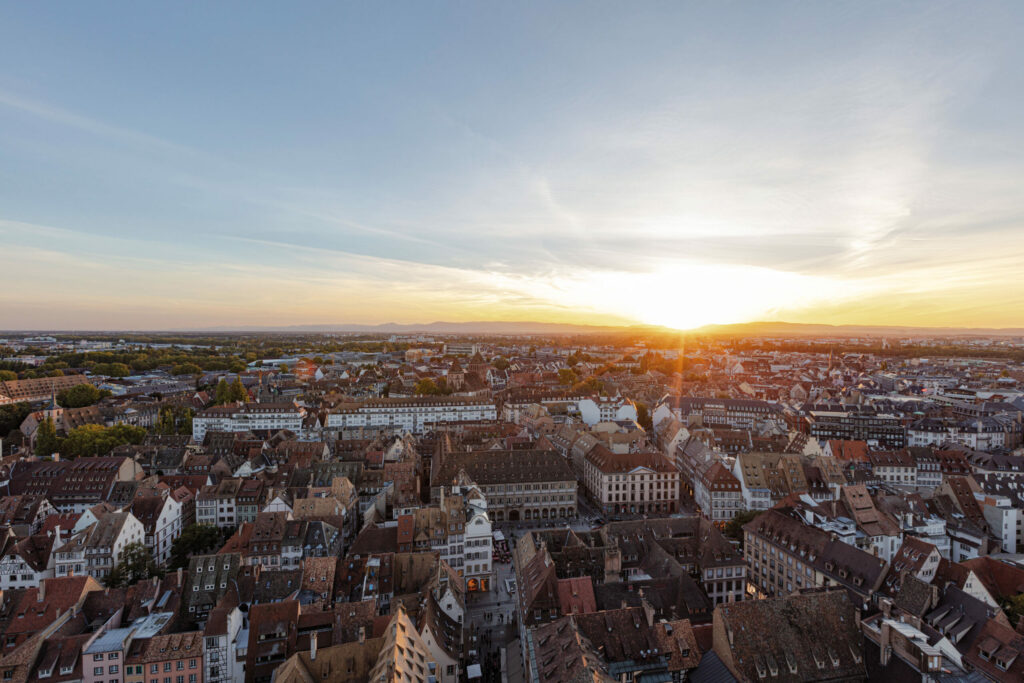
(41, 593)
(179, 576)
(312, 646)
(362, 635)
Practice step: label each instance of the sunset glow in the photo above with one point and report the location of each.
(492, 168)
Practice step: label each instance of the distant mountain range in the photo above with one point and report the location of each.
(439, 327)
(783, 329)
(752, 329)
(483, 327)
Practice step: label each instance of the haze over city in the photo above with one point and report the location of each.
(674, 164)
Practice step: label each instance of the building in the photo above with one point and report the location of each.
(518, 485)
(72, 485)
(241, 417)
(894, 467)
(38, 389)
(786, 556)
(161, 517)
(718, 493)
(809, 637)
(229, 503)
(735, 413)
(175, 657)
(877, 429)
(630, 483)
(410, 414)
(594, 409)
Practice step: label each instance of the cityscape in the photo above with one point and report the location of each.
(576, 342)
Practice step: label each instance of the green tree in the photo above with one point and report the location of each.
(734, 529)
(165, 423)
(223, 392)
(1014, 608)
(95, 440)
(567, 376)
(47, 442)
(12, 415)
(111, 369)
(283, 367)
(8, 375)
(186, 369)
(500, 363)
(79, 396)
(136, 564)
(237, 391)
(591, 384)
(195, 539)
(426, 387)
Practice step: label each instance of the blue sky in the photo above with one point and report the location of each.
(674, 163)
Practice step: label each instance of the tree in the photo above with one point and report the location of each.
(590, 384)
(95, 440)
(734, 529)
(643, 416)
(500, 363)
(1014, 608)
(12, 415)
(237, 391)
(8, 375)
(79, 396)
(136, 564)
(282, 367)
(223, 392)
(47, 442)
(566, 376)
(195, 539)
(111, 369)
(186, 369)
(426, 387)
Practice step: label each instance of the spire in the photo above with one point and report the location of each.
(53, 397)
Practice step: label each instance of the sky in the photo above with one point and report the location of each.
(197, 165)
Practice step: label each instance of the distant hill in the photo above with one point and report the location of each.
(783, 329)
(440, 327)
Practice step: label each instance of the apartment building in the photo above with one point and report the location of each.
(229, 503)
(410, 414)
(717, 492)
(241, 417)
(786, 556)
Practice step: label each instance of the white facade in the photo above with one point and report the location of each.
(15, 572)
(168, 528)
(606, 409)
(411, 415)
(248, 416)
(478, 542)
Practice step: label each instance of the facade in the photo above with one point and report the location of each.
(27, 562)
(518, 485)
(161, 517)
(630, 483)
(177, 657)
(717, 493)
(894, 467)
(410, 414)
(96, 550)
(735, 413)
(594, 409)
(886, 431)
(241, 417)
(786, 556)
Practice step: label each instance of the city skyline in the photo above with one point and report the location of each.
(240, 165)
